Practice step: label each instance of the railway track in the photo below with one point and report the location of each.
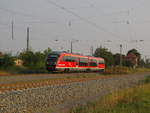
(43, 83)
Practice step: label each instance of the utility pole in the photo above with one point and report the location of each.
(27, 38)
(71, 44)
(120, 54)
(92, 50)
(12, 28)
(71, 47)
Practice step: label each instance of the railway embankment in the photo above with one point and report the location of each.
(58, 97)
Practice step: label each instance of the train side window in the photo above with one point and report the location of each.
(72, 59)
(93, 62)
(83, 61)
(68, 58)
(63, 58)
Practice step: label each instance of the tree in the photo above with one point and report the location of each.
(117, 59)
(46, 51)
(40, 58)
(28, 58)
(6, 60)
(142, 63)
(107, 55)
(146, 63)
(34, 60)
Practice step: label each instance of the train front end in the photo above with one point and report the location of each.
(51, 61)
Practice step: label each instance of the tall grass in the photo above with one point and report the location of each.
(117, 70)
(124, 70)
(132, 100)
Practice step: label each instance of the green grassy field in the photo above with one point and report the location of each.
(132, 100)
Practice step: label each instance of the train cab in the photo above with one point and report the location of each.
(51, 60)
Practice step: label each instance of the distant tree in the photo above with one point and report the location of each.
(128, 63)
(34, 60)
(46, 51)
(40, 58)
(6, 60)
(28, 58)
(147, 63)
(117, 59)
(107, 55)
(142, 63)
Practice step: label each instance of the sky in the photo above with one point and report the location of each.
(87, 23)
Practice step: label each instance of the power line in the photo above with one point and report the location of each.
(3, 24)
(28, 15)
(82, 18)
(16, 12)
(12, 27)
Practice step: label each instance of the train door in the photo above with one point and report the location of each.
(77, 61)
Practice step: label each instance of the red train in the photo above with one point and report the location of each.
(62, 61)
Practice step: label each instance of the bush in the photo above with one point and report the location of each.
(147, 80)
(132, 100)
(33, 61)
(6, 61)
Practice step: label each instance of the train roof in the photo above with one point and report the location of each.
(74, 54)
(57, 52)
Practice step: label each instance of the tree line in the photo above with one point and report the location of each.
(131, 59)
(31, 60)
(36, 60)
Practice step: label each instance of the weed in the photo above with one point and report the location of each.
(132, 100)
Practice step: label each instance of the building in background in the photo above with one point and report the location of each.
(133, 59)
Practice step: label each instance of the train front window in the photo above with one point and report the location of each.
(52, 58)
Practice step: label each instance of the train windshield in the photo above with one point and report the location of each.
(52, 58)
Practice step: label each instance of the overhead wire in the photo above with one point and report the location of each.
(35, 18)
(82, 18)
(16, 12)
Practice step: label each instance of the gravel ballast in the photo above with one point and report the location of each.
(62, 97)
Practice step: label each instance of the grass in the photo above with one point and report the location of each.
(3, 72)
(140, 70)
(117, 70)
(124, 70)
(132, 100)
